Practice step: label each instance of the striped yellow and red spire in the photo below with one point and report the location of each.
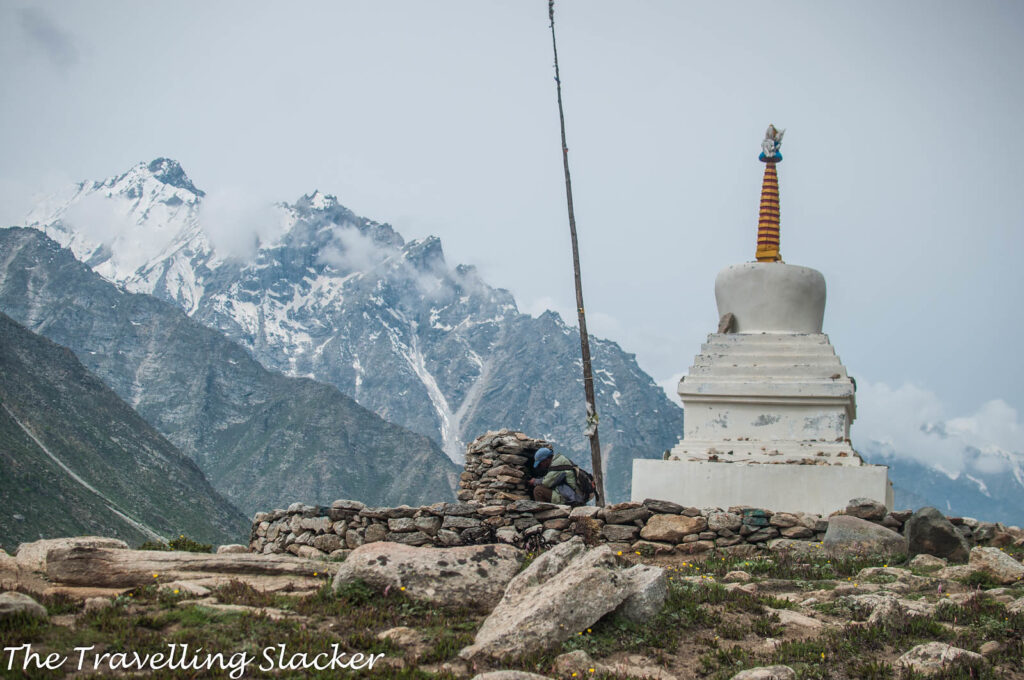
(768, 222)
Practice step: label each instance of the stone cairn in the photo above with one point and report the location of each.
(498, 466)
(494, 508)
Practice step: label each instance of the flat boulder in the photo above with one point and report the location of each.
(766, 673)
(932, 658)
(565, 590)
(32, 556)
(672, 528)
(929, 532)
(996, 564)
(849, 536)
(475, 575)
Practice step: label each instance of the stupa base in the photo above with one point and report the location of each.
(816, 489)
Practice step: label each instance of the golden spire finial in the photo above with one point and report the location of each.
(768, 223)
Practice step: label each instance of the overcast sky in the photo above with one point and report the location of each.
(901, 181)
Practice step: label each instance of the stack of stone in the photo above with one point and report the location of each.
(498, 467)
(654, 526)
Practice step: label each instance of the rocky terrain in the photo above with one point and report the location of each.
(814, 610)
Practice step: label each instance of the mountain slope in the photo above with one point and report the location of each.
(264, 440)
(990, 488)
(77, 459)
(346, 300)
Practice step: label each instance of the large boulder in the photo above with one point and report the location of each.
(848, 536)
(475, 575)
(932, 658)
(928, 531)
(119, 568)
(996, 564)
(565, 590)
(32, 556)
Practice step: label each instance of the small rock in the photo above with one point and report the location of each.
(96, 603)
(926, 561)
(232, 548)
(737, 576)
(766, 673)
(509, 675)
(577, 663)
(15, 603)
(663, 507)
(866, 508)
(932, 657)
(672, 528)
(991, 647)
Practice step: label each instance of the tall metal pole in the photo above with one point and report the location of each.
(588, 376)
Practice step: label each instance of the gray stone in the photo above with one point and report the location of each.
(663, 507)
(409, 538)
(997, 564)
(796, 532)
(672, 528)
(32, 556)
(447, 537)
(375, 532)
(507, 534)
(866, 508)
(766, 673)
(762, 534)
(589, 511)
(620, 532)
(428, 524)
(400, 524)
(459, 522)
(18, 603)
(232, 548)
(932, 658)
(352, 539)
(649, 589)
(625, 513)
(717, 521)
(565, 590)
(928, 531)
(926, 561)
(350, 506)
(469, 575)
(784, 520)
(328, 543)
(848, 535)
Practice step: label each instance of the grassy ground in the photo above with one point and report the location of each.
(707, 629)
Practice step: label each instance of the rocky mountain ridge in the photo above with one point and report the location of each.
(347, 301)
(263, 439)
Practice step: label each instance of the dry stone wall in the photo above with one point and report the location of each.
(494, 507)
(659, 527)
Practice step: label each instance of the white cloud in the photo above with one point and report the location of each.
(670, 385)
(353, 251)
(237, 222)
(99, 219)
(911, 422)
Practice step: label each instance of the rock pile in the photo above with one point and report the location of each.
(498, 466)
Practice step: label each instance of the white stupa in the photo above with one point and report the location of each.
(768, 405)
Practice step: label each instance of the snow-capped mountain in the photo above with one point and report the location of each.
(346, 300)
(990, 485)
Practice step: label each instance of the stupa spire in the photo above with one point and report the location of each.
(768, 222)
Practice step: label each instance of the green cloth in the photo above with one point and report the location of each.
(551, 479)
